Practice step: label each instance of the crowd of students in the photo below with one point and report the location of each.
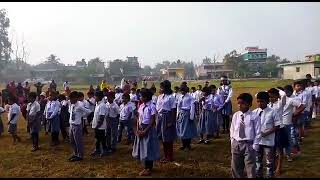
(276, 125)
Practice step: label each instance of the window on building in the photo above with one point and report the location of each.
(297, 69)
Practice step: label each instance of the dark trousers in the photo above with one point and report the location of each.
(168, 150)
(63, 130)
(122, 125)
(84, 126)
(148, 164)
(35, 139)
(186, 143)
(100, 140)
(225, 122)
(55, 136)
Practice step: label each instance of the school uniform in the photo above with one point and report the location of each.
(305, 97)
(100, 132)
(268, 119)
(112, 124)
(118, 98)
(217, 111)
(207, 119)
(290, 105)
(166, 125)
(2, 110)
(154, 99)
(316, 92)
(245, 135)
(64, 118)
(186, 128)
(146, 148)
(52, 116)
(196, 97)
(33, 110)
(42, 117)
(126, 120)
(75, 131)
(13, 109)
(226, 92)
(311, 97)
(90, 104)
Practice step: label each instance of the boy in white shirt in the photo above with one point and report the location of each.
(270, 123)
(33, 109)
(13, 117)
(126, 120)
(112, 122)
(76, 110)
(90, 103)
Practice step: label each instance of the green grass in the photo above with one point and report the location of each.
(204, 161)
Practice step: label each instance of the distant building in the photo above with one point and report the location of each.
(81, 64)
(313, 57)
(298, 70)
(209, 70)
(255, 55)
(173, 73)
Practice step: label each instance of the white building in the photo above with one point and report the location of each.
(298, 70)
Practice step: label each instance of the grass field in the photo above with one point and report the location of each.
(211, 160)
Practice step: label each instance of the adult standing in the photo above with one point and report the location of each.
(39, 87)
(66, 85)
(12, 88)
(226, 91)
(53, 86)
(26, 89)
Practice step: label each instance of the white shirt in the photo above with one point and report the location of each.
(14, 109)
(146, 111)
(186, 102)
(268, 120)
(278, 108)
(176, 96)
(100, 110)
(125, 112)
(154, 99)
(52, 109)
(198, 95)
(291, 103)
(113, 110)
(165, 102)
(226, 92)
(316, 91)
(133, 97)
(305, 97)
(252, 127)
(65, 85)
(207, 104)
(88, 105)
(77, 111)
(33, 108)
(118, 98)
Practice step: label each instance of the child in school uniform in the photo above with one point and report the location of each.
(76, 110)
(186, 129)
(13, 117)
(277, 103)
(112, 122)
(52, 116)
(146, 145)
(270, 123)
(118, 96)
(126, 118)
(43, 103)
(226, 91)
(64, 117)
(84, 117)
(99, 125)
(90, 103)
(245, 134)
(166, 120)
(33, 110)
(289, 118)
(317, 98)
(206, 120)
(154, 96)
(217, 109)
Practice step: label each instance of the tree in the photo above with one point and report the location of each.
(96, 66)
(147, 70)
(235, 62)
(5, 45)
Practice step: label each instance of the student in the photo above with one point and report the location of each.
(186, 129)
(118, 96)
(270, 123)
(13, 117)
(43, 103)
(317, 97)
(146, 145)
(33, 110)
(154, 96)
(99, 125)
(76, 110)
(90, 104)
(176, 95)
(166, 124)
(226, 90)
(218, 103)
(206, 120)
(125, 120)
(84, 117)
(304, 96)
(196, 98)
(52, 116)
(112, 122)
(64, 117)
(39, 87)
(245, 134)
(23, 109)
(277, 103)
(311, 100)
(288, 117)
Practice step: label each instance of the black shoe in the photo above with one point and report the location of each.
(72, 157)
(95, 153)
(201, 141)
(76, 159)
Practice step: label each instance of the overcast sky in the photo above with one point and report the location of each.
(163, 31)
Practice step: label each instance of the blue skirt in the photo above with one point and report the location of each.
(206, 122)
(217, 117)
(55, 124)
(227, 109)
(186, 128)
(165, 133)
(147, 147)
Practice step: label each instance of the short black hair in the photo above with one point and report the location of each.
(166, 86)
(206, 90)
(300, 82)
(73, 94)
(288, 88)
(281, 88)
(62, 97)
(200, 86)
(193, 88)
(99, 94)
(264, 96)
(154, 89)
(111, 94)
(80, 94)
(126, 95)
(90, 93)
(308, 75)
(33, 95)
(274, 91)
(176, 88)
(212, 86)
(184, 88)
(146, 94)
(246, 97)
